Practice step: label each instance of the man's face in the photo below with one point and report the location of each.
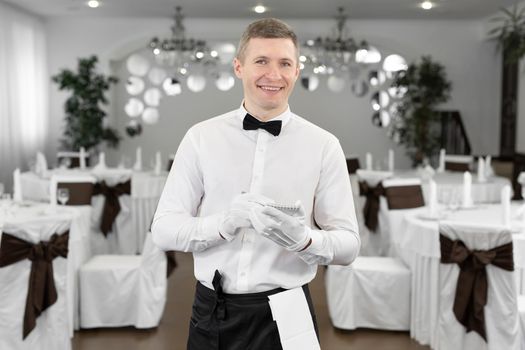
(268, 71)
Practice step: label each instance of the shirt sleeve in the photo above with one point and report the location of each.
(337, 241)
(175, 224)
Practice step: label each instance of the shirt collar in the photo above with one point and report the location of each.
(284, 117)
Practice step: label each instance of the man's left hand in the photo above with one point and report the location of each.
(287, 231)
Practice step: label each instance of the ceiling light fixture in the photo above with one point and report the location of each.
(427, 5)
(259, 9)
(93, 4)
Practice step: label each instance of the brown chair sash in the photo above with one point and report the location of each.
(41, 290)
(170, 163)
(404, 197)
(455, 166)
(111, 205)
(472, 286)
(79, 192)
(352, 164)
(371, 208)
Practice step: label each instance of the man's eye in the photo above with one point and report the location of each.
(260, 61)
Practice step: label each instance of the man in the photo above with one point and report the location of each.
(219, 200)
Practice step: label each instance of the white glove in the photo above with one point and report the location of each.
(238, 216)
(287, 231)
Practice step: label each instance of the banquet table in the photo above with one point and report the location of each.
(450, 186)
(14, 214)
(137, 210)
(416, 242)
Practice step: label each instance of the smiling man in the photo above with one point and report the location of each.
(261, 197)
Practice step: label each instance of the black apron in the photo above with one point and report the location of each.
(221, 321)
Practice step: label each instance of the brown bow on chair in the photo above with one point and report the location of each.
(404, 197)
(472, 286)
(371, 208)
(41, 290)
(111, 205)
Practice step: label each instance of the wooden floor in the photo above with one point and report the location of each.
(172, 332)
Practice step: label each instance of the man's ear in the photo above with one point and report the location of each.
(237, 67)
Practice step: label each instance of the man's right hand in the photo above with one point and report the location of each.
(238, 216)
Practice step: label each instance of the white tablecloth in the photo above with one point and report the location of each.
(137, 210)
(416, 241)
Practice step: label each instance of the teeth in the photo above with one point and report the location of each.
(270, 88)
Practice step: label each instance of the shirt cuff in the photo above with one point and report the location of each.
(317, 242)
(210, 228)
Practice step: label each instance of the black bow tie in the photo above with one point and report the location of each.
(250, 123)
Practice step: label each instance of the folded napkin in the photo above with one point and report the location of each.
(82, 160)
(101, 162)
(368, 161)
(158, 163)
(505, 205)
(432, 199)
(489, 170)
(441, 167)
(17, 186)
(138, 160)
(41, 164)
(391, 160)
(467, 190)
(481, 170)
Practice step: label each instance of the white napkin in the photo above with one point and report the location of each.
(432, 200)
(17, 186)
(481, 170)
(489, 171)
(41, 164)
(101, 162)
(294, 322)
(82, 158)
(505, 205)
(391, 160)
(138, 160)
(368, 161)
(467, 190)
(158, 163)
(441, 167)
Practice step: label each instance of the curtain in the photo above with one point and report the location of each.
(24, 115)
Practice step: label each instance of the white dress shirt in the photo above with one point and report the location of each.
(218, 160)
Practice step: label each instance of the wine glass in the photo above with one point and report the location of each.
(63, 195)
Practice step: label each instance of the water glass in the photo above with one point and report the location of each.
(63, 195)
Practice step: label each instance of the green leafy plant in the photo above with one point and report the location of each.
(426, 86)
(510, 33)
(84, 115)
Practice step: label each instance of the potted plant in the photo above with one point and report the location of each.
(510, 33)
(426, 86)
(84, 115)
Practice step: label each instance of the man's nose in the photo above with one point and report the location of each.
(273, 71)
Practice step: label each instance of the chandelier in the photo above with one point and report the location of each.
(179, 51)
(335, 56)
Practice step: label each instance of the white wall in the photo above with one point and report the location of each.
(472, 64)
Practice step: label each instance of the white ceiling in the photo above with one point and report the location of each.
(293, 9)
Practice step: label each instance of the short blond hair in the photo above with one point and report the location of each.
(267, 28)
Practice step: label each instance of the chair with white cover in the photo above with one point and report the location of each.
(370, 191)
(372, 292)
(33, 288)
(454, 162)
(401, 196)
(124, 290)
(71, 159)
(477, 289)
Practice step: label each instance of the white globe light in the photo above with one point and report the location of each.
(134, 85)
(137, 64)
(152, 97)
(225, 81)
(150, 115)
(134, 107)
(335, 83)
(157, 75)
(196, 82)
(172, 87)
